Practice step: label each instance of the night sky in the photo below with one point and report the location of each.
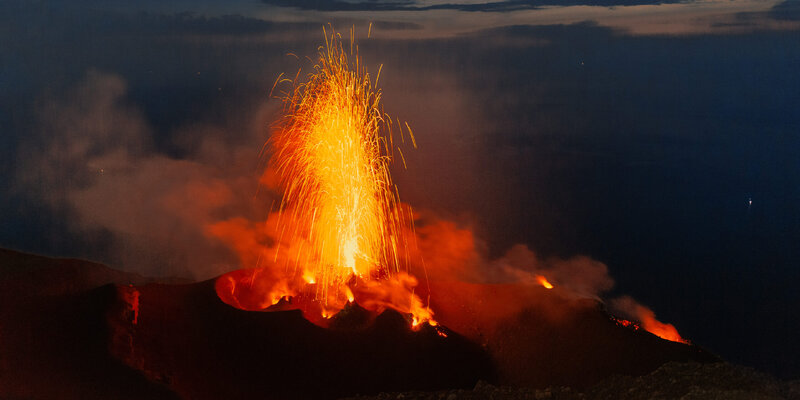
(660, 138)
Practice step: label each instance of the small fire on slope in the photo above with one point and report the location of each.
(658, 328)
(341, 229)
(544, 282)
(646, 319)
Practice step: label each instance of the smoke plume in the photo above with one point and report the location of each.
(94, 159)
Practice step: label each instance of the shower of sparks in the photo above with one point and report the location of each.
(331, 153)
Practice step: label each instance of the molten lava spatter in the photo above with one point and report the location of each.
(654, 326)
(330, 157)
(544, 282)
(340, 229)
(661, 329)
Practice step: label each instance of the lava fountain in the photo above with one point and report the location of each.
(340, 232)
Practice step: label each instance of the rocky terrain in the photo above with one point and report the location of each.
(688, 381)
(72, 329)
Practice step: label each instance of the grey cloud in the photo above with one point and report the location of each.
(786, 10)
(494, 6)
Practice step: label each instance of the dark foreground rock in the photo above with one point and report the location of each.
(687, 381)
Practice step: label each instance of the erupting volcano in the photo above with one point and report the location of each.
(229, 202)
(342, 252)
(341, 229)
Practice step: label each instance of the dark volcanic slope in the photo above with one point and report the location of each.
(53, 332)
(68, 332)
(540, 338)
(72, 329)
(27, 275)
(185, 337)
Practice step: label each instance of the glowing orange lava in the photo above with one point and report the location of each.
(654, 326)
(340, 227)
(332, 164)
(660, 329)
(544, 282)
